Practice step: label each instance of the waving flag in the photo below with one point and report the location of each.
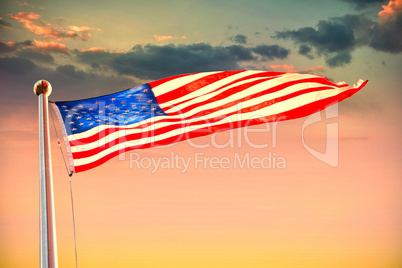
(188, 106)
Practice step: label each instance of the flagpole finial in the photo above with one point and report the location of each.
(42, 87)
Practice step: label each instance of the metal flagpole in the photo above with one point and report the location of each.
(47, 225)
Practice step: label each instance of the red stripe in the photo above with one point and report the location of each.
(292, 114)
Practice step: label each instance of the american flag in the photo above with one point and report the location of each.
(186, 106)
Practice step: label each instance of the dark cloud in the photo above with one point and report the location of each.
(35, 56)
(6, 48)
(387, 37)
(328, 37)
(71, 71)
(240, 53)
(68, 82)
(9, 47)
(337, 37)
(4, 24)
(16, 66)
(305, 50)
(365, 3)
(339, 59)
(155, 62)
(240, 39)
(271, 52)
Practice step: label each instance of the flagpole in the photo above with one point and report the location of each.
(47, 225)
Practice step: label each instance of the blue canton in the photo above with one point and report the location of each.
(122, 108)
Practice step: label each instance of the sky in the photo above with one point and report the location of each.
(302, 193)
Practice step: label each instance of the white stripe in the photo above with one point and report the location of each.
(266, 111)
(178, 82)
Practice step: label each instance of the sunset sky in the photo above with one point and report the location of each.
(291, 208)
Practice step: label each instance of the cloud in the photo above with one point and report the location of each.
(390, 11)
(71, 71)
(93, 49)
(4, 24)
(305, 50)
(80, 28)
(35, 56)
(25, 4)
(50, 46)
(68, 82)
(337, 37)
(16, 66)
(387, 36)
(9, 47)
(33, 50)
(328, 37)
(240, 39)
(155, 62)
(160, 38)
(27, 20)
(270, 52)
(339, 59)
(47, 30)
